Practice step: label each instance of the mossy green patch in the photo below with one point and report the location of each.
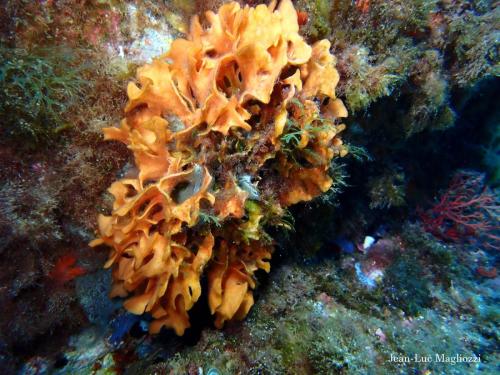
(38, 88)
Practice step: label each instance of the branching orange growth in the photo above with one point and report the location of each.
(207, 124)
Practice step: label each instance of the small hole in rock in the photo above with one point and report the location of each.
(61, 361)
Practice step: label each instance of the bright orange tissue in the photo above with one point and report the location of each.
(235, 123)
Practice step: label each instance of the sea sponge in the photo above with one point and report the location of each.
(234, 124)
(230, 280)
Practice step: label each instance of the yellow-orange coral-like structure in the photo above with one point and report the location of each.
(231, 126)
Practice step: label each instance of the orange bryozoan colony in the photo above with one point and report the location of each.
(228, 128)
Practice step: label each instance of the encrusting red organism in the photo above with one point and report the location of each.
(65, 270)
(363, 5)
(489, 273)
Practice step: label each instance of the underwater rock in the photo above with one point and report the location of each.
(87, 348)
(379, 255)
(92, 292)
(419, 79)
(369, 279)
(35, 366)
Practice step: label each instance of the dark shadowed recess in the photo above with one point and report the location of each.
(427, 159)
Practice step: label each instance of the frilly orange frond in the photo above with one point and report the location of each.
(230, 280)
(209, 123)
